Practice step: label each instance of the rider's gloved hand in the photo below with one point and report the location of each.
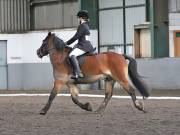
(66, 43)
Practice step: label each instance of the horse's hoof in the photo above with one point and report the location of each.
(88, 106)
(144, 111)
(42, 112)
(100, 110)
(140, 106)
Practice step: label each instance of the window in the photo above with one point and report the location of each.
(53, 14)
(174, 6)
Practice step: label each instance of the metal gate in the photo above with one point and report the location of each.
(3, 64)
(116, 24)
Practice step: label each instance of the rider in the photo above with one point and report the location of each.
(83, 45)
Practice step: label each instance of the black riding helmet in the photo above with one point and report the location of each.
(83, 13)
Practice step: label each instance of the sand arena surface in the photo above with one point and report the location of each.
(20, 116)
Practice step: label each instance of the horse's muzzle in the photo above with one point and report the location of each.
(39, 53)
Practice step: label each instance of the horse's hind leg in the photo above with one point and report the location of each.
(131, 92)
(109, 83)
(57, 87)
(74, 95)
(120, 74)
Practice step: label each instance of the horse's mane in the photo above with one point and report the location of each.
(58, 43)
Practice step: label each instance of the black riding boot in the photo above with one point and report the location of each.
(77, 71)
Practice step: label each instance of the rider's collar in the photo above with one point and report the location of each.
(83, 21)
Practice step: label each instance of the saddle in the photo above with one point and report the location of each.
(81, 58)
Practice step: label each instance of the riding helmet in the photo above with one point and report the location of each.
(83, 13)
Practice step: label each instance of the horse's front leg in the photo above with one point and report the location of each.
(57, 87)
(74, 95)
(109, 84)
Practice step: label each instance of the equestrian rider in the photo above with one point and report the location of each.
(83, 45)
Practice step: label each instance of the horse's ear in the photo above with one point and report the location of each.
(49, 33)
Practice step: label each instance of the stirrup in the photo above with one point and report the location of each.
(74, 77)
(80, 75)
(77, 76)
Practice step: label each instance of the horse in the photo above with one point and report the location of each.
(108, 66)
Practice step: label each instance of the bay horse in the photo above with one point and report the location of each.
(108, 66)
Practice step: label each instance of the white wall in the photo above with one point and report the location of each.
(21, 48)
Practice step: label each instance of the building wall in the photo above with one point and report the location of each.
(25, 69)
(53, 14)
(160, 73)
(17, 16)
(14, 15)
(116, 24)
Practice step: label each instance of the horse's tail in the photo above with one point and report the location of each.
(135, 77)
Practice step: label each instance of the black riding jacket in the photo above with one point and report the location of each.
(82, 35)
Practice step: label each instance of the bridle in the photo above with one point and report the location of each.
(44, 50)
(51, 49)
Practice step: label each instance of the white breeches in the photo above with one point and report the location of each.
(76, 52)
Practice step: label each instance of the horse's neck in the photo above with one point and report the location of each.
(59, 57)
